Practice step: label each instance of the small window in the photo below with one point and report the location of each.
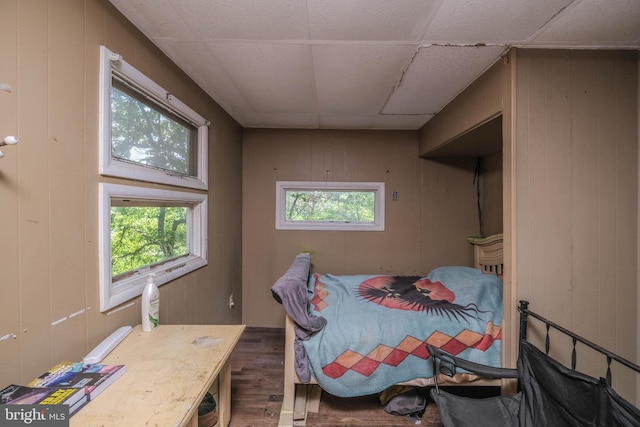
(145, 132)
(145, 231)
(355, 206)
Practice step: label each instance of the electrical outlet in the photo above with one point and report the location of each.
(231, 302)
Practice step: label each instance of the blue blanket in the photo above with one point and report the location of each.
(378, 326)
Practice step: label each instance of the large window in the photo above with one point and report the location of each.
(147, 231)
(356, 206)
(146, 134)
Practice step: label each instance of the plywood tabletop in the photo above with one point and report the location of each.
(168, 372)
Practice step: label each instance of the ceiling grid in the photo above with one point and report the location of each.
(362, 64)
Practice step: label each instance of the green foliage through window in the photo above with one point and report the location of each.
(330, 205)
(144, 133)
(146, 235)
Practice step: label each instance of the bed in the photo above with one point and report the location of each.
(329, 342)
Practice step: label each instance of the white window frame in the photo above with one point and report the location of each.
(283, 186)
(132, 285)
(111, 63)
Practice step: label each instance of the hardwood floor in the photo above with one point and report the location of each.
(257, 372)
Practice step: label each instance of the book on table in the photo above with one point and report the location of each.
(93, 378)
(26, 395)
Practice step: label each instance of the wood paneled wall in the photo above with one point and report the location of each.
(570, 176)
(485, 99)
(425, 228)
(49, 305)
(570, 195)
(491, 194)
(577, 195)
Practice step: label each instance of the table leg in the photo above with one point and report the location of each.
(224, 395)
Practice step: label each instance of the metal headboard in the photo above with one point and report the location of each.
(524, 315)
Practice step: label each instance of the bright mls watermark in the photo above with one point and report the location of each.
(34, 415)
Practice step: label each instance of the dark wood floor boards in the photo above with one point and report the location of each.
(257, 373)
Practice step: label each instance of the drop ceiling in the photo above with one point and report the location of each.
(362, 64)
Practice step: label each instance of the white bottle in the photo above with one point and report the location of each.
(150, 306)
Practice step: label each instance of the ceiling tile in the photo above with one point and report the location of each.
(361, 20)
(608, 23)
(283, 120)
(401, 121)
(495, 21)
(156, 18)
(211, 76)
(346, 121)
(375, 64)
(356, 79)
(436, 75)
(274, 78)
(374, 121)
(245, 19)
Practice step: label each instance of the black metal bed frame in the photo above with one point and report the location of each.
(523, 308)
(549, 393)
(447, 364)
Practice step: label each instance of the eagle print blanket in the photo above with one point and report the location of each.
(377, 327)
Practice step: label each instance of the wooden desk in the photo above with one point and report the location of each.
(168, 373)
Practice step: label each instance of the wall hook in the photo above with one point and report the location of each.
(8, 140)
